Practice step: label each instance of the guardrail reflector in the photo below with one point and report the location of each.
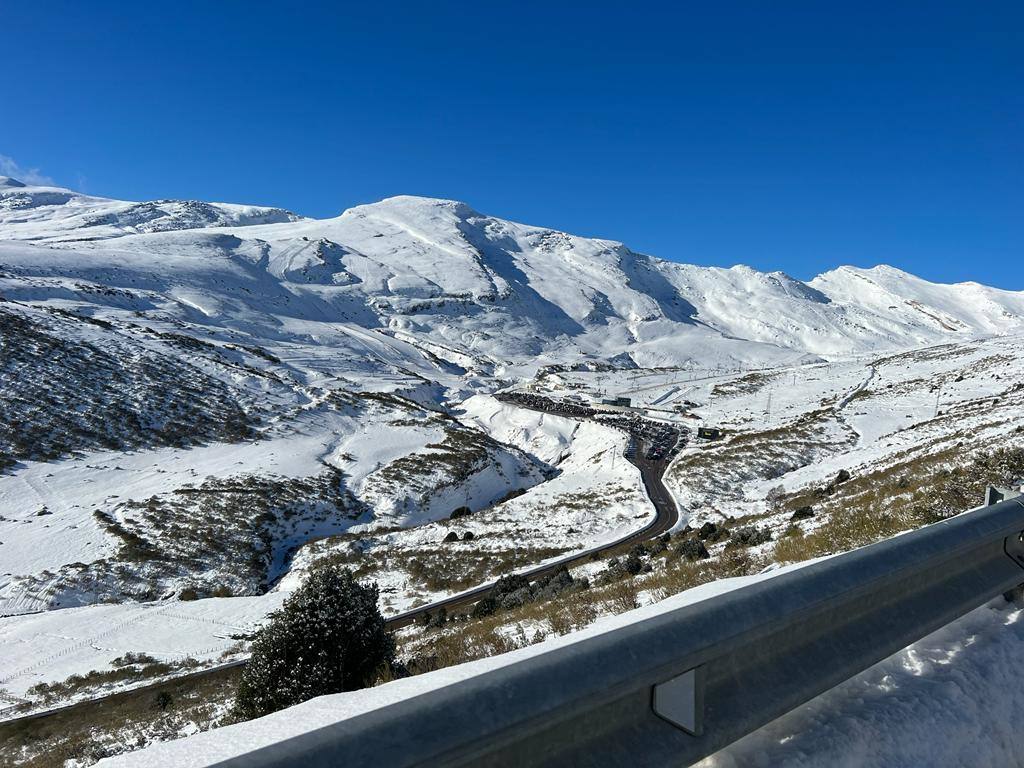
(680, 701)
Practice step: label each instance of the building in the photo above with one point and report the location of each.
(621, 402)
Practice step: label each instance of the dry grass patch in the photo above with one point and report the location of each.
(94, 730)
(912, 493)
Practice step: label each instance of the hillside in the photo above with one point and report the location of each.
(200, 402)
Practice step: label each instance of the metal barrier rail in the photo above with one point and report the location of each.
(671, 689)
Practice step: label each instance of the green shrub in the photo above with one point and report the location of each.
(328, 637)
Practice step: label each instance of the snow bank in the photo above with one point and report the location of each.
(942, 702)
(51, 645)
(948, 701)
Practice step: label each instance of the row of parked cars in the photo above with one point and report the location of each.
(547, 404)
(662, 440)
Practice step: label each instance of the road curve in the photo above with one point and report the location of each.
(666, 516)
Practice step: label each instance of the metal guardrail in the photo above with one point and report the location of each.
(673, 688)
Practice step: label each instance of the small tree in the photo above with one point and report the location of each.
(633, 564)
(328, 637)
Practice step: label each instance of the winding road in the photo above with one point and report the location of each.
(666, 516)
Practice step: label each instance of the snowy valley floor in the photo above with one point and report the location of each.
(816, 459)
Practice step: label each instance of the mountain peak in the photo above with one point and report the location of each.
(8, 182)
(417, 205)
(879, 270)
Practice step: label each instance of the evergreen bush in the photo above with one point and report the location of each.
(328, 637)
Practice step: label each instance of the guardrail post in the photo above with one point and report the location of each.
(996, 493)
(1014, 547)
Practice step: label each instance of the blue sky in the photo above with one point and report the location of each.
(793, 136)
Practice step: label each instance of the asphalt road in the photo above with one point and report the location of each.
(666, 516)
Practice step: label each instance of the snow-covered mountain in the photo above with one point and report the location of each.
(167, 326)
(201, 402)
(55, 214)
(433, 280)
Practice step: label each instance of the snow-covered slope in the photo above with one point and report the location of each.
(846, 311)
(55, 214)
(169, 325)
(203, 399)
(473, 292)
(928, 308)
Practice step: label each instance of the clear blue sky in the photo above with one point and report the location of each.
(785, 135)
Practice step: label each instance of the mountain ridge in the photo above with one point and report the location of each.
(501, 292)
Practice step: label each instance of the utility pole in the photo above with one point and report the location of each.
(769, 414)
(938, 394)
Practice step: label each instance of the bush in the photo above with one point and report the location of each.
(692, 549)
(514, 591)
(506, 585)
(515, 599)
(750, 536)
(712, 533)
(802, 513)
(163, 701)
(633, 564)
(554, 584)
(964, 485)
(132, 658)
(655, 547)
(328, 637)
(484, 607)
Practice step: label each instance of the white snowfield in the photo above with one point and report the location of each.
(947, 701)
(493, 290)
(171, 370)
(50, 646)
(55, 214)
